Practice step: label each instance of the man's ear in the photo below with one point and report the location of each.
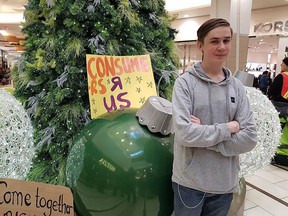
(199, 45)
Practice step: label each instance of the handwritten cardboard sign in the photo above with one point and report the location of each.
(118, 82)
(24, 198)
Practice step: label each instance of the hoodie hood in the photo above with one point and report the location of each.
(197, 71)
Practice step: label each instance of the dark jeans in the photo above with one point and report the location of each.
(190, 202)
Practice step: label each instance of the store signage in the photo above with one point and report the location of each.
(4, 28)
(271, 27)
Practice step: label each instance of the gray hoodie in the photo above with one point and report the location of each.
(206, 156)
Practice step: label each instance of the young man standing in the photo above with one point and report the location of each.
(213, 124)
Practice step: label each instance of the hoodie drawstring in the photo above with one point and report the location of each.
(210, 104)
(228, 101)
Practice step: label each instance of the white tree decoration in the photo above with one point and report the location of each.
(268, 132)
(16, 138)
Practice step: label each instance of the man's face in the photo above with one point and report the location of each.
(284, 67)
(217, 45)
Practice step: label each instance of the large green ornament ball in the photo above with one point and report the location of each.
(117, 167)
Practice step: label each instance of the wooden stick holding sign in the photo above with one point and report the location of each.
(24, 198)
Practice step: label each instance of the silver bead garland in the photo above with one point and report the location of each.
(16, 138)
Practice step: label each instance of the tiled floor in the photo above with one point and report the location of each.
(267, 192)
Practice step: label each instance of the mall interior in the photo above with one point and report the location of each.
(260, 42)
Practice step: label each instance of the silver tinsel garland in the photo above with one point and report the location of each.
(16, 138)
(268, 132)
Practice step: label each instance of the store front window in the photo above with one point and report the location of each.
(262, 54)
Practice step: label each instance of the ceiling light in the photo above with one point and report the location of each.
(4, 33)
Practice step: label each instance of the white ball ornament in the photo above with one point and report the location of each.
(16, 138)
(268, 132)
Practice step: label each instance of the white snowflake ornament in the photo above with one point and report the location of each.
(16, 138)
(268, 132)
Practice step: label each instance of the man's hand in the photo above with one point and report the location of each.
(233, 126)
(195, 120)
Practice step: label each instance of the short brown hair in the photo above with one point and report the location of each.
(210, 25)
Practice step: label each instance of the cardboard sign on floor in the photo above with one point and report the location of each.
(26, 198)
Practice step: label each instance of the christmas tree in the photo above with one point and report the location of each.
(51, 77)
